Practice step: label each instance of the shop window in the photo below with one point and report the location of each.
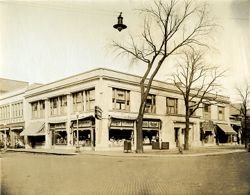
(172, 105)
(60, 137)
(221, 113)
(84, 137)
(150, 136)
(121, 99)
(150, 104)
(117, 137)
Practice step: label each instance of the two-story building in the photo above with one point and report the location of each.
(61, 114)
(11, 111)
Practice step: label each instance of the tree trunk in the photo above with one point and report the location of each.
(139, 136)
(186, 144)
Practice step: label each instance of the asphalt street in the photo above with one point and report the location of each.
(26, 173)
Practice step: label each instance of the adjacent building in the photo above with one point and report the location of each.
(61, 114)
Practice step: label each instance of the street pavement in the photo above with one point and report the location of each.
(92, 173)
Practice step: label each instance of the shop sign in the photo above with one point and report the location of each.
(127, 123)
(60, 126)
(145, 124)
(98, 113)
(153, 124)
(82, 123)
(116, 123)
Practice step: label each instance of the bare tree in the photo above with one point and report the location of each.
(244, 94)
(196, 81)
(167, 29)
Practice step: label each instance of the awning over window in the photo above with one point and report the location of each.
(226, 128)
(34, 129)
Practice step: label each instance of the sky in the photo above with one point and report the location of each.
(44, 41)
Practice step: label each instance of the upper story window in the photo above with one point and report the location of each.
(38, 109)
(5, 112)
(90, 99)
(150, 104)
(207, 111)
(221, 113)
(84, 100)
(17, 109)
(34, 106)
(58, 105)
(172, 105)
(191, 107)
(121, 99)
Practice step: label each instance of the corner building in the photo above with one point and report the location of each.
(55, 112)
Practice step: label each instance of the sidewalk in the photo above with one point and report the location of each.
(198, 151)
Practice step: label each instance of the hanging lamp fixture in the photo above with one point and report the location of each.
(120, 26)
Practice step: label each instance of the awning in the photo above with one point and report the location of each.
(16, 128)
(5, 129)
(226, 128)
(34, 129)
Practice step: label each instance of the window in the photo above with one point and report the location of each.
(58, 105)
(207, 111)
(17, 110)
(90, 99)
(121, 99)
(172, 105)
(150, 104)
(34, 106)
(84, 100)
(53, 106)
(63, 104)
(42, 108)
(191, 107)
(78, 102)
(5, 111)
(221, 112)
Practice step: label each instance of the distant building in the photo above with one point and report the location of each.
(53, 113)
(12, 120)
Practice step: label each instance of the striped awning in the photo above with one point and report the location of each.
(226, 128)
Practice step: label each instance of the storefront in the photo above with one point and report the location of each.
(17, 141)
(225, 133)
(124, 129)
(207, 132)
(86, 131)
(59, 133)
(150, 131)
(35, 134)
(5, 136)
(119, 131)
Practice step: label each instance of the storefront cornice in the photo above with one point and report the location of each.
(47, 88)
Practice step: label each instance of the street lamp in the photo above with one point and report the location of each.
(120, 26)
(77, 133)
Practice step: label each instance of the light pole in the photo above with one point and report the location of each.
(77, 134)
